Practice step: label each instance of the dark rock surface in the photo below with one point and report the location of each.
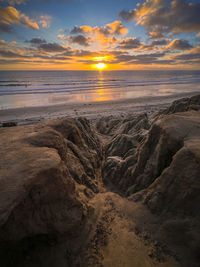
(120, 149)
(163, 173)
(168, 183)
(173, 165)
(43, 168)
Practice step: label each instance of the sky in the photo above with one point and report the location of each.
(80, 34)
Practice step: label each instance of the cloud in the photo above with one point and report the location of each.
(45, 52)
(79, 39)
(52, 47)
(188, 56)
(10, 15)
(13, 2)
(5, 27)
(196, 50)
(160, 42)
(156, 35)
(137, 45)
(143, 59)
(114, 28)
(81, 29)
(45, 21)
(140, 59)
(10, 54)
(36, 41)
(129, 43)
(192, 55)
(179, 44)
(162, 16)
(105, 35)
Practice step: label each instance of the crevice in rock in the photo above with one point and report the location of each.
(67, 194)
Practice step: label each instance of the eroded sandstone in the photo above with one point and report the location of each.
(55, 211)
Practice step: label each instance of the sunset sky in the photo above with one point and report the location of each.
(78, 34)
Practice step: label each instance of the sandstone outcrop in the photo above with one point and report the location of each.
(120, 150)
(167, 180)
(169, 163)
(55, 211)
(134, 159)
(163, 173)
(43, 168)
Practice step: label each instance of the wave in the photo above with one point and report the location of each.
(75, 88)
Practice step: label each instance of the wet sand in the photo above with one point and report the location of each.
(93, 110)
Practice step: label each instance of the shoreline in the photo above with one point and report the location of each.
(90, 110)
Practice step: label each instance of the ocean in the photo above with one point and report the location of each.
(41, 88)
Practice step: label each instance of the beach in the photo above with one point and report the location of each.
(30, 96)
(93, 110)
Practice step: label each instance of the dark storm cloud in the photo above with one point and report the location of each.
(165, 16)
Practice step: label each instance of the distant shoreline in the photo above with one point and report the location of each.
(90, 110)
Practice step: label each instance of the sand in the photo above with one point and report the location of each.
(93, 110)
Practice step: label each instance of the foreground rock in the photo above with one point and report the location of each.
(166, 178)
(55, 212)
(48, 171)
(164, 175)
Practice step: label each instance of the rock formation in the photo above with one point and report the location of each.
(54, 209)
(44, 169)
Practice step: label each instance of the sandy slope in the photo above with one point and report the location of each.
(117, 244)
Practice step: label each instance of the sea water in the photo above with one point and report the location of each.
(41, 88)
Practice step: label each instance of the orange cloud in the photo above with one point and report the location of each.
(165, 16)
(10, 15)
(105, 35)
(114, 28)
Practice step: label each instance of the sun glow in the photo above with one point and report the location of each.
(100, 66)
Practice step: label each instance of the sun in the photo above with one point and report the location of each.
(100, 66)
